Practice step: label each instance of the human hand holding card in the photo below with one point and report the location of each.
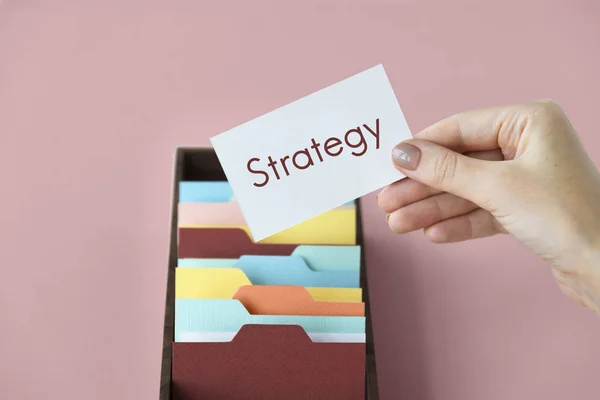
(314, 154)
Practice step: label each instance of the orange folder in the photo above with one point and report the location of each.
(292, 300)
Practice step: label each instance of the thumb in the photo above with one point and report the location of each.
(446, 170)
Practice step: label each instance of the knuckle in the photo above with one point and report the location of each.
(399, 221)
(438, 235)
(444, 168)
(548, 108)
(550, 115)
(548, 103)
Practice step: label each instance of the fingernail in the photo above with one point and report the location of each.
(406, 156)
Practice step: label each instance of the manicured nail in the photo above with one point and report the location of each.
(406, 156)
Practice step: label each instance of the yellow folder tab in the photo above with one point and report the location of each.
(223, 283)
(334, 227)
(345, 295)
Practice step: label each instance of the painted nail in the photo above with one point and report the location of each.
(406, 156)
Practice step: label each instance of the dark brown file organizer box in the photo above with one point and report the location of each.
(202, 164)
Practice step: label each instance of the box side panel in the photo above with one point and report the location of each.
(168, 333)
(371, 371)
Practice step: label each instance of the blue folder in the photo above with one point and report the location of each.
(281, 270)
(224, 315)
(317, 258)
(208, 192)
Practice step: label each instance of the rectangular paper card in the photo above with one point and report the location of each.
(314, 154)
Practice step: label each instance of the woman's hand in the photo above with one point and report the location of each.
(518, 169)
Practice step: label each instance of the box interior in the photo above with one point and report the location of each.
(202, 164)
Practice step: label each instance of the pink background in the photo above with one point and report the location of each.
(94, 97)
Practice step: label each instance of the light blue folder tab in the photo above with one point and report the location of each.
(208, 192)
(204, 192)
(227, 315)
(317, 258)
(330, 258)
(282, 270)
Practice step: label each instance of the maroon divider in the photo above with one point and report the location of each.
(269, 362)
(225, 243)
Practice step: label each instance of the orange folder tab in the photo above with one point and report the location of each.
(292, 300)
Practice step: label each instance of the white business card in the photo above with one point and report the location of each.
(314, 154)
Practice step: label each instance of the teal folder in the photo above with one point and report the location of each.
(208, 192)
(317, 258)
(281, 270)
(225, 315)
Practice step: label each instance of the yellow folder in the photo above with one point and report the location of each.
(334, 227)
(223, 283)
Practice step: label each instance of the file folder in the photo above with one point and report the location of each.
(205, 192)
(198, 337)
(225, 243)
(290, 271)
(337, 226)
(283, 262)
(220, 315)
(319, 258)
(212, 192)
(269, 362)
(223, 283)
(292, 300)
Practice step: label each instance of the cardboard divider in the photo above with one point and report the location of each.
(225, 242)
(294, 366)
(202, 164)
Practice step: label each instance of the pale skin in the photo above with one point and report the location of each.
(518, 169)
